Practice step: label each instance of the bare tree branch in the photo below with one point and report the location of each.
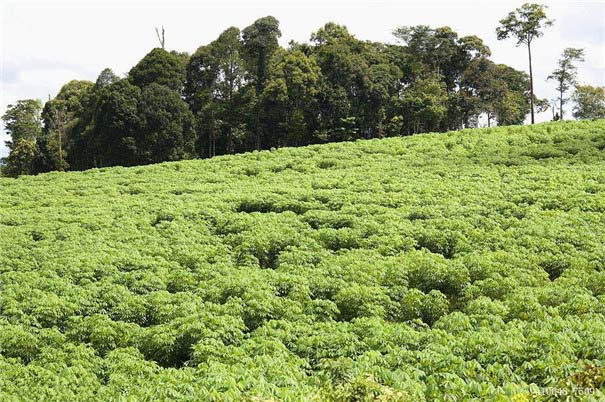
(160, 38)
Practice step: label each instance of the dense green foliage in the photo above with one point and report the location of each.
(244, 92)
(162, 68)
(23, 123)
(460, 266)
(590, 102)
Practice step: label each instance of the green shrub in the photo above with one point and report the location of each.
(360, 301)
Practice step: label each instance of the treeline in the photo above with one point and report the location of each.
(244, 92)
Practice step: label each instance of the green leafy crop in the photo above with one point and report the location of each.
(465, 266)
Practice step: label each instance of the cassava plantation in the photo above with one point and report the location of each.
(460, 266)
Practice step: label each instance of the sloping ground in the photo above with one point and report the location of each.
(434, 267)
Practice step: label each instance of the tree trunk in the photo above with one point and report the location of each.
(257, 129)
(561, 105)
(211, 143)
(553, 108)
(59, 123)
(531, 84)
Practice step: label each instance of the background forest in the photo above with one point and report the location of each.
(244, 92)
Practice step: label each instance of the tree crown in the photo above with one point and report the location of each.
(524, 24)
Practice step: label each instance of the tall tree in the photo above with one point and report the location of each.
(22, 158)
(566, 73)
(440, 52)
(23, 120)
(215, 76)
(229, 80)
(515, 104)
(289, 99)
(424, 105)
(525, 24)
(115, 125)
(61, 117)
(260, 41)
(81, 150)
(133, 126)
(166, 131)
(160, 67)
(23, 124)
(482, 89)
(358, 83)
(334, 48)
(590, 102)
(497, 90)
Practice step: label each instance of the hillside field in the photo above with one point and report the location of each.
(465, 266)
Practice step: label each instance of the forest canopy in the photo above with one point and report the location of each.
(244, 92)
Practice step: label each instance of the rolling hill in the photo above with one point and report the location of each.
(460, 266)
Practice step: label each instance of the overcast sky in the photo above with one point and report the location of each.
(46, 44)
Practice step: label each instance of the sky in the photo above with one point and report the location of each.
(45, 44)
